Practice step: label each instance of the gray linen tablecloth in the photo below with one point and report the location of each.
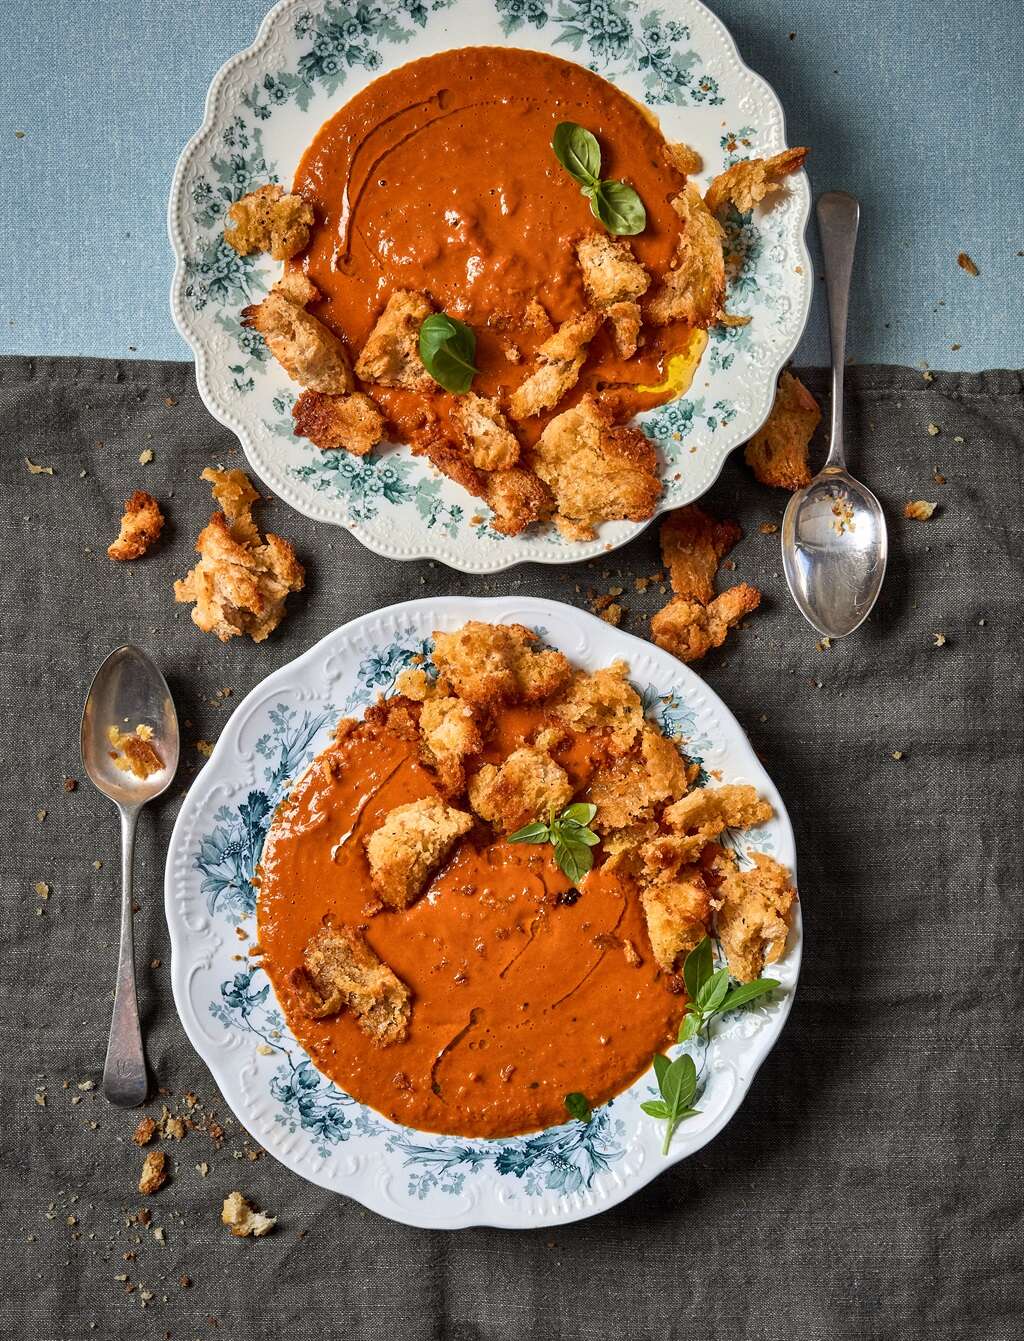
(871, 1185)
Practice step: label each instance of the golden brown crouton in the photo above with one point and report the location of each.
(451, 459)
(682, 158)
(748, 182)
(753, 917)
(919, 510)
(596, 472)
(560, 359)
(678, 915)
(692, 546)
(243, 1220)
(341, 972)
(689, 630)
(309, 353)
(406, 850)
(140, 527)
(517, 498)
(605, 701)
(391, 355)
(625, 320)
(154, 1172)
(694, 290)
(145, 1131)
(450, 734)
(416, 684)
(488, 664)
(777, 453)
(629, 789)
(240, 583)
(490, 442)
(135, 752)
(269, 220)
(697, 820)
(613, 280)
(527, 786)
(351, 423)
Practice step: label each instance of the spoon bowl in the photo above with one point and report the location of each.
(834, 551)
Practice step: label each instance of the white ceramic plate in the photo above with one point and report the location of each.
(310, 57)
(231, 1015)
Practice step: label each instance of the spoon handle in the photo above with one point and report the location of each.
(838, 217)
(124, 1071)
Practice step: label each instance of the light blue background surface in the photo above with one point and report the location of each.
(915, 107)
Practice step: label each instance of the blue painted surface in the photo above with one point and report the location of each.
(914, 107)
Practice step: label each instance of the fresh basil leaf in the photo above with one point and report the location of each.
(582, 812)
(679, 1082)
(748, 991)
(690, 1026)
(448, 348)
(654, 1108)
(578, 152)
(661, 1064)
(574, 859)
(531, 833)
(697, 968)
(571, 832)
(619, 208)
(687, 1112)
(714, 992)
(578, 1106)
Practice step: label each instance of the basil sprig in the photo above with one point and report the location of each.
(448, 348)
(616, 204)
(578, 1106)
(709, 992)
(677, 1082)
(571, 836)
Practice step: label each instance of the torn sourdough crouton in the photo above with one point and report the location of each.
(746, 183)
(693, 544)
(526, 785)
(486, 434)
(694, 290)
(140, 527)
(699, 818)
(677, 911)
(681, 157)
(613, 280)
(517, 498)
(560, 359)
(489, 664)
(154, 1172)
(309, 353)
(777, 453)
(341, 972)
(349, 423)
(690, 630)
(268, 220)
(596, 471)
(605, 701)
(450, 734)
(752, 917)
(241, 582)
(391, 355)
(243, 1220)
(632, 786)
(410, 845)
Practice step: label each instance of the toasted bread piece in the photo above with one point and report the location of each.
(753, 915)
(240, 583)
(605, 701)
(678, 916)
(613, 280)
(517, 498)
(341, 972)
(406, 850)
(777, 453)
(628, 790)
(919, 509)
(489, 441)
(243, 1220)
(349, 423)
(694, 290)
(268, 220)
(625, 319)
(450, 734)
(597, 472)
(681, 157)
(140, 527)
(391, 355)
(135, 751)
(559, 360)
(692, 546)
(154, 1172)
(697, 819)
(309, 353)
(451, 459)
(526, 786)
(748, 182)
(488, 664)
(689, 630)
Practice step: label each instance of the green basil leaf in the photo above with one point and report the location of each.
(690, 1026)
(748, 991)
(687, 1112)
(714, 991)
(582, 812)
(448, 348)
(697, 968)
(619, 208)
(531, 833)
(654, 1108)
(578, 152)
(578, 1106)
(571, 832)
(679, 1082)
(574, 860)
(661, 1064)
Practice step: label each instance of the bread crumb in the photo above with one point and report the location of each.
(939, 639)
(205, 748)
(145, 1131)
(919, 510)
(33, 469)
(965, 263)
(934, 430)
(243, 1220)
(154, 1172)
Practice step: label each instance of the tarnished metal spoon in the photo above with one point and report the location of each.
(127, 691)
(834, 541)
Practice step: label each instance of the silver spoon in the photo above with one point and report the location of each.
(834, 541)
(127, 691)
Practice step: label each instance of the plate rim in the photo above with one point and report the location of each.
(476, 607)
(444, 550)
